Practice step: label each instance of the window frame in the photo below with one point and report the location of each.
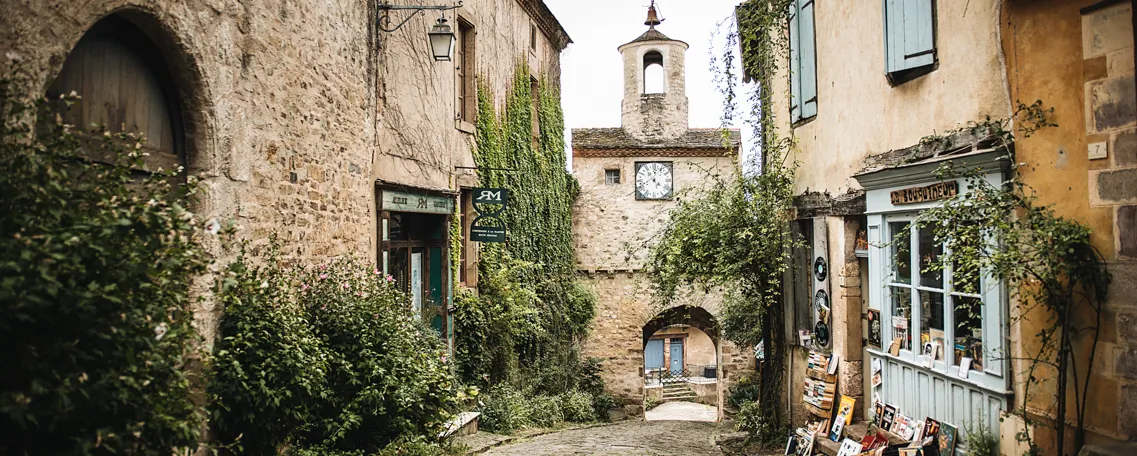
(608, 177)
(803, 55)
(991, 293)
(466, 87)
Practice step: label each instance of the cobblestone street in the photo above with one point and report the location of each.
(629, 438)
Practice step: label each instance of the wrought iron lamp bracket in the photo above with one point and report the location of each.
(386, 9)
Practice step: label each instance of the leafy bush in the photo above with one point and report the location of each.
(545, 411)
(96, 262)
(759, 426)
(505, 411)
(602, 403)
(981, 441)
(745, 390)
(577, 407)
(345, 366)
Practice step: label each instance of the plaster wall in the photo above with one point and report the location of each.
(614, 231)
(860, 114)
(1082, 66)
(293, 109)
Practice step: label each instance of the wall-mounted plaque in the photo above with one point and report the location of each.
(934, 192)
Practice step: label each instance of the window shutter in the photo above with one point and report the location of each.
(808, 59)
(909, 34)
(795, 65)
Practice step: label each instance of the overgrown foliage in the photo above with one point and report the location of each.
(328, 358)
(525, 324)
(96, 261)
(734, 232)
(1056, 276)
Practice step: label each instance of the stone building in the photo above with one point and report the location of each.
(866, 82)
(304, 118)
(630, 177)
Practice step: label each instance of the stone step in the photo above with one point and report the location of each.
(682, 397)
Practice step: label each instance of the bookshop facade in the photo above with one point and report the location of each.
(941, 349)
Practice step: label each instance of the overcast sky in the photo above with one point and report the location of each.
(591, 69)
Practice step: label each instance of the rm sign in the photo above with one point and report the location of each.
(489, 203)
(942, 190)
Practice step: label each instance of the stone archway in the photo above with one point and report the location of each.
(682, 357)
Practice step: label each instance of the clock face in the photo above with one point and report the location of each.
(653, 180)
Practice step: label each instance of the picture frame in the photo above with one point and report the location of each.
(946, 439)
(874, 329)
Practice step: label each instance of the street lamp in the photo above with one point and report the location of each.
(441, 40)
(441, 35)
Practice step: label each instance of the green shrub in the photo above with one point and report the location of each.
(417, 446)
(758, 426)
(331, 356)
(745, 390)
(650, 402)
(545, 411)
(505, 411)
(96, 262)
(577, 407)
(981, 441)
(602, 403)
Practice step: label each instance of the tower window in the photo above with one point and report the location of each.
(653, 73)
(611, 176)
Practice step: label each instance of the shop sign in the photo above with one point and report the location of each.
(934, 192)
(397, 201)
(489, 203)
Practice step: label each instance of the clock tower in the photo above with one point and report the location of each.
(631, 177)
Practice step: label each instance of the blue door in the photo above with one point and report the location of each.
(677, 355)
(653, 354)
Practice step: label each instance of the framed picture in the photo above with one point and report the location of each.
(887, 417)
(947, 439)
(874, 339)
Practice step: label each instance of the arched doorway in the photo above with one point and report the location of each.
(682, 358)
(126, 86)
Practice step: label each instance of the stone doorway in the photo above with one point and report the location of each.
(682, 356)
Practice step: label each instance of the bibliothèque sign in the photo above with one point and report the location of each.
(934, 192)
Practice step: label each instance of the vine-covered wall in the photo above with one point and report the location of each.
(531, 311)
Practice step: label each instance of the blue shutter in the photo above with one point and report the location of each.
(808, 59)
(909, 34)
(795, 65)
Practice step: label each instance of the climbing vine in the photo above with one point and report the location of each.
(1057, 278)
(530, 313)
(735, 233)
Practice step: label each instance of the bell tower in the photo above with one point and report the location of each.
(655, 89)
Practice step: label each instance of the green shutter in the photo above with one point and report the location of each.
(808, 59)
(909, 34)
(795, 65)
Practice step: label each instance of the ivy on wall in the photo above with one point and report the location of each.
(524, 325)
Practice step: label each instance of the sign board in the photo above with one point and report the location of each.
(397, 201)
(490, 195)
(938, 191)
(487, 228)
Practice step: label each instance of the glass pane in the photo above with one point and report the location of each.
(930, 253)
(932, 324)
(969, 330)
(399, 262)
(902, 316)
(901, 252)
(397, 228)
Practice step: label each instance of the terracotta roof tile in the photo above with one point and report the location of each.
(618, 138)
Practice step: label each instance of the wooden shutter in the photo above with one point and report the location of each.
(795, 65)
(909, 34)
(807, 57)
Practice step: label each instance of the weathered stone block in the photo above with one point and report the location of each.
(1095, 68)
(1120, 62)
(1125, 148)
(1117, 186)
(1126, 363)
(1111, 103)
(1126, 412)
(1127, 229)
(1107, 30)
(1127, 326)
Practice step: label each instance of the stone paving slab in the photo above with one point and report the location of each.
(682, 411)
(627, 438)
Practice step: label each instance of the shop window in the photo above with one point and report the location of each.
(938, 310)
(612, 176)
(466, 80)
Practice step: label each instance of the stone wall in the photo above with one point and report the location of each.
(293, 109)
(1077, 57)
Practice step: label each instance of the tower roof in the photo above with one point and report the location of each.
(651, 35)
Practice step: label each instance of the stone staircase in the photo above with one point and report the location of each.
(678, 391)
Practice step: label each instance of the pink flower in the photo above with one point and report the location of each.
(377, 271)
(323, 307)
(323, 276)
(376, 315)
(345, 285)
(390, 278)
(304, 287)
(444, 358)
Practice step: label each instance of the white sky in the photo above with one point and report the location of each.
(592, 72)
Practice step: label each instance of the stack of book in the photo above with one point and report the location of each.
(819, 393)
(820, 383)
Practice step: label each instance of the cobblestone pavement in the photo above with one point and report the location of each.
(628, 438)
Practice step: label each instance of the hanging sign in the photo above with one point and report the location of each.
(937, 191)
(489, 203)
